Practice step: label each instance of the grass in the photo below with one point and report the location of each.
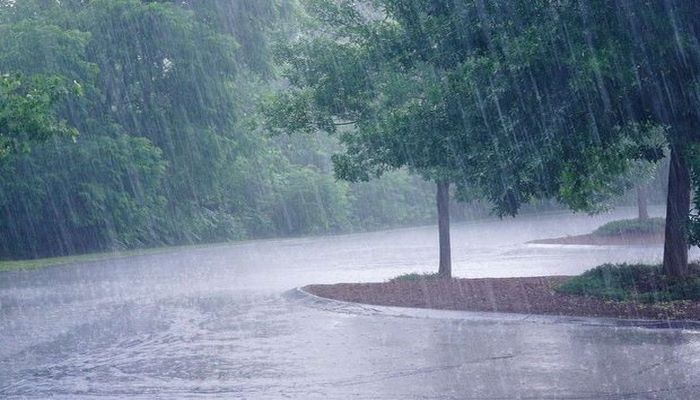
(632, 226)
(18, 265)
(634, 282)
(415, 277)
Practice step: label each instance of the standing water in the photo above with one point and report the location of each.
(219, 322)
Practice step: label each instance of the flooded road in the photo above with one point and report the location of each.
(219, 322)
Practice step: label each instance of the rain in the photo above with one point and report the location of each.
(349, 199)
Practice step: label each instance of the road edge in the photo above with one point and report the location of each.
(346, 307)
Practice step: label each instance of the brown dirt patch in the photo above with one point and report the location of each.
(614, 240)
(534, 295)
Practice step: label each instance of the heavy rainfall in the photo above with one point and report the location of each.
(349, 199)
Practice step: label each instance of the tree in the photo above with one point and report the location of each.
(350, 77)
(571, 77)
(636, 65)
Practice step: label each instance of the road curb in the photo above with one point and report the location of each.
(346, 307)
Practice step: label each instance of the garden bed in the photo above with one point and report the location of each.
(530, 295)
(627, 232)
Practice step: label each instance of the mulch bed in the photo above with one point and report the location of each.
(533, 295)
(613, 240)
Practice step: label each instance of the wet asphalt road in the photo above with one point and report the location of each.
(221, 322)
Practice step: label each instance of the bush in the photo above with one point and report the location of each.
(632, 226)
(634, 282)
(415, 277)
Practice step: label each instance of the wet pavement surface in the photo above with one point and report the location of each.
(223, 322)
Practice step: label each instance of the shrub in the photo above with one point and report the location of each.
(634, 282)
(415, 276)
(632, 226)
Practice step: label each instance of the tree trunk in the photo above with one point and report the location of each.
(677, 209)
(642, 202)
(443, 206)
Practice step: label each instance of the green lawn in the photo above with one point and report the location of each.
(16, 265)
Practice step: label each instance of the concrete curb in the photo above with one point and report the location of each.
(339, 306)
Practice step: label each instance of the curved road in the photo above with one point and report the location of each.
(219, 322)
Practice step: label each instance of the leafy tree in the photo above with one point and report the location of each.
(571, 77)
(348, 78)
(622, 70)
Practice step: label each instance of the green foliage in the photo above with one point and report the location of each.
(634, 282)
(170, 150)
(102, 190)
(511, 101)
(609, 173)
(489, 97)
(694, 217)
(161, 141)
(302, 197)
(27, 112)
(416, 277)
(632, 226)
(38, 44)
(308, 201)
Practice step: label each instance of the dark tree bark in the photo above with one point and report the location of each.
(642, 202)
(443, 206)
(677, 209)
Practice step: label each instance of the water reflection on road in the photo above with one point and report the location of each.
(215, 322)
